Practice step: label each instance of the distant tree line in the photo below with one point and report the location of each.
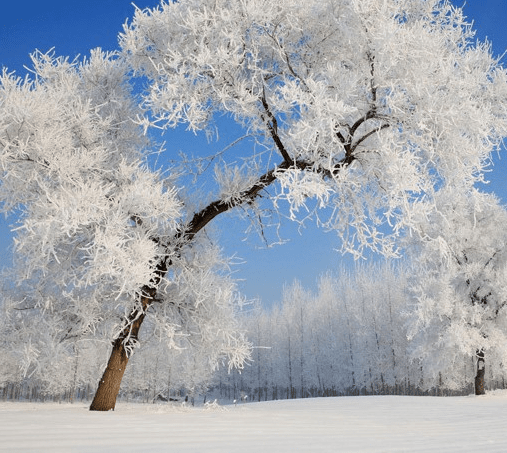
(349, 338)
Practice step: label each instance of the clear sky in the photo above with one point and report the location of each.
(75, 27)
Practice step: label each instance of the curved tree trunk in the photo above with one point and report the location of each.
(481, 372)
(109, 385)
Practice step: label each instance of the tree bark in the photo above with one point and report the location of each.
(481, 372)
(109, 384)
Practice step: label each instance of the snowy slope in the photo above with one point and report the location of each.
(351, 424)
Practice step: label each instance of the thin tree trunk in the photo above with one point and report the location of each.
(290, 367)
(481, 372)
(351, 351)
(74, 381)
(258, 360)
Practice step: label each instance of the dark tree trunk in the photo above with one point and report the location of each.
(109, 385)
(481, 372)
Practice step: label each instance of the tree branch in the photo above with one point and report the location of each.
(370, 114)
(206, 215)
(202, 218)
(369, 134)
(272, 125)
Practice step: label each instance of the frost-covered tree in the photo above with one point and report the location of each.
(353, 110)
(360, 105)
(461, 288)
(348, 338)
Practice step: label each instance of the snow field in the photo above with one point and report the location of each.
(348, 424)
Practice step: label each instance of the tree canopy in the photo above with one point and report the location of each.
(357, 111)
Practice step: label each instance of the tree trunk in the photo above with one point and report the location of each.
(481, 372)
(109, 385)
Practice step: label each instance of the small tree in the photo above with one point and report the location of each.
(356, 107)
(461, 288)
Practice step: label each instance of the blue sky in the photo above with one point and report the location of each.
(74, 28)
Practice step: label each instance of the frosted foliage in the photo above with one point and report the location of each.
(384, 100)
(234, 181)
(191, 329)
(296, 186)
(71, 165)
(461, 287)
(199, 310)
(88, 209)
(35, 351)
(97, 226)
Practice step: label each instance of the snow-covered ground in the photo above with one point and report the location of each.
(351, 424)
